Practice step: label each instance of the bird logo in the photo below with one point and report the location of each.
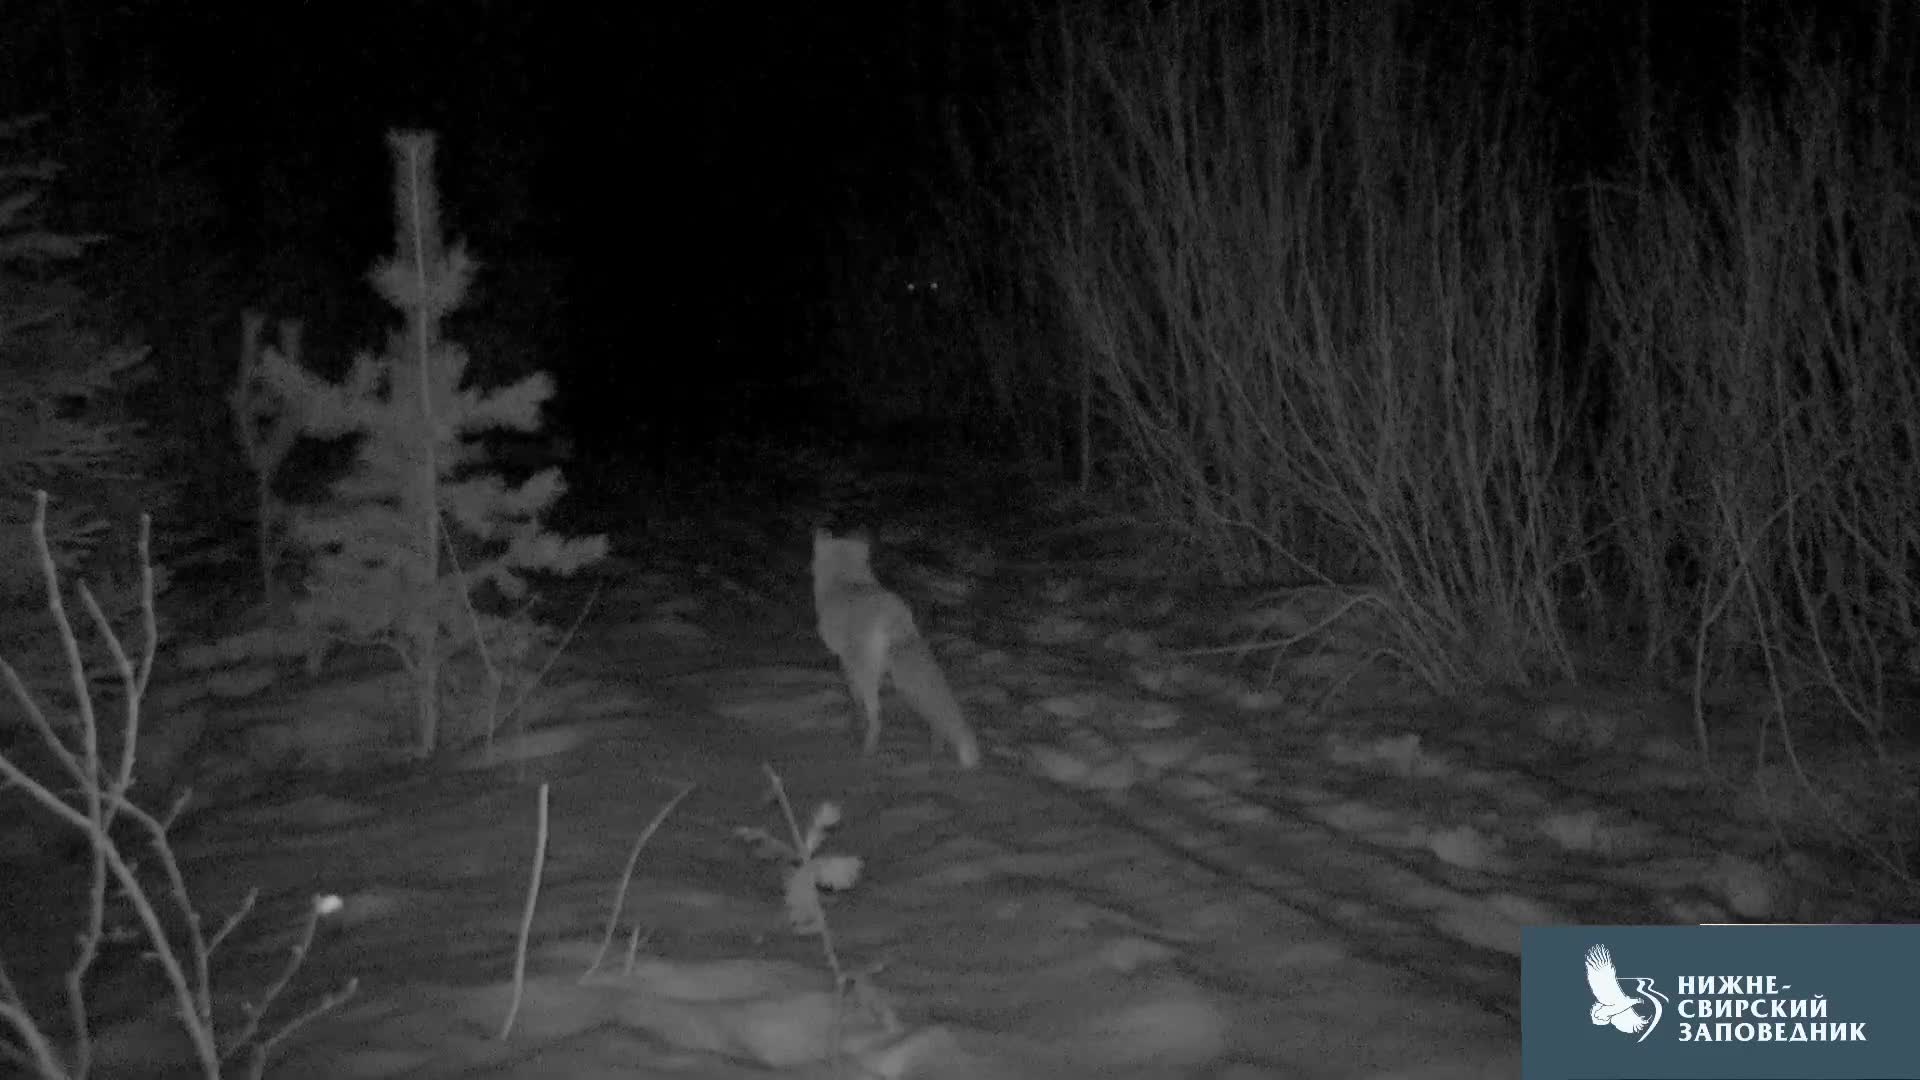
(1612, 1005)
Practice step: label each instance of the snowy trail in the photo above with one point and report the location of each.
(1376, 906)
(1165, 870)
(1338, 871)
(1291, 825)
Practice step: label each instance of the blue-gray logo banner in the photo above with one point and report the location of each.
(1720, 1003)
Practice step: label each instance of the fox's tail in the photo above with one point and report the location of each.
(917, 676)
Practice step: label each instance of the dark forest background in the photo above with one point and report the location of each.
(1575, 326)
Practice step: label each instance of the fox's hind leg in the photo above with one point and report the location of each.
(865, 666)
(873, 661)
(856, 705)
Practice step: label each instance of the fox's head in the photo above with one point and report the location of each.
(841, 558)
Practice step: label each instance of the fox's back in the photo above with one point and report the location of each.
(850, 611)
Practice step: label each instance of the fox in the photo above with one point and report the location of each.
(871, 631)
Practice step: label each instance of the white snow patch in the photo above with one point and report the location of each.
(1463, 846)
(1494, 922)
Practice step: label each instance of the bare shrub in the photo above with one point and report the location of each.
(1305, 276)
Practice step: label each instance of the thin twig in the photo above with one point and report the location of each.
(626, 878)
(526, 919)
(37, 719)
(296, 956)
(634, 941)
(39, 1054)
(233, 920)
(494, 678)
(566, 639)
(133, 684)
(257, 1063)
(98, 840)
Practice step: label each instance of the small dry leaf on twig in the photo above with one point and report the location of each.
(808, 871)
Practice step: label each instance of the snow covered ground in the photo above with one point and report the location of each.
(1214, 837)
